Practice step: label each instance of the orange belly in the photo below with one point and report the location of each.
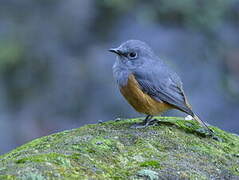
(142, 102)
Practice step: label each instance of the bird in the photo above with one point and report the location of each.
(148, 83)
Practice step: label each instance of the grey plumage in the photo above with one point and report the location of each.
(163, 85)
(154, 77)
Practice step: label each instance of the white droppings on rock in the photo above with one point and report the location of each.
(188, 118)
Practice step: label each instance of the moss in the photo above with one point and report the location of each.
(32, 176)
(172, 149)
(149, 174)
(7, 177)
(154, 164)
(53, 157)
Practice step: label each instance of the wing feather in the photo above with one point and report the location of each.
(163, 85)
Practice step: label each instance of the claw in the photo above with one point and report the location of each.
(144, 124)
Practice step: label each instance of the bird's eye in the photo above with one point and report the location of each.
(132, 55)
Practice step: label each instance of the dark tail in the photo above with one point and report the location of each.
(187, 109)
(201, 122)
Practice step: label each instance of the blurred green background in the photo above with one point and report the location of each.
(55, 71)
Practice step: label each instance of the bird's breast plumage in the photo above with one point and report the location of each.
(141, 101)
(120, 73)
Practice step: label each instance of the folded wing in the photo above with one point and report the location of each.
(162, 84)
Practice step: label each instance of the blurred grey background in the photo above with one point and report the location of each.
(55, 71)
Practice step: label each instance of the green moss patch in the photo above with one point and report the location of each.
(172, 149)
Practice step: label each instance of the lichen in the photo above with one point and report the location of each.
(172, 149)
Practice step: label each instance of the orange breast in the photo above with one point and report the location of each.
(142, 102)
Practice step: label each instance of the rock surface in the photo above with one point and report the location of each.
(172, 149)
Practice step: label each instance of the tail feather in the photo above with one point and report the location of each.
(201, 122)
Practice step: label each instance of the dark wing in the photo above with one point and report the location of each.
(162, 84)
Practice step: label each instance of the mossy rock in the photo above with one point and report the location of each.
(172, 149)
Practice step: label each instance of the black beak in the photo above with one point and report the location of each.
(116, 51)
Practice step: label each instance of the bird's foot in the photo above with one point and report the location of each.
(144, 124)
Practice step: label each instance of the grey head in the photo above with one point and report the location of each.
(133, 53)
(136, 57)
(132, 56)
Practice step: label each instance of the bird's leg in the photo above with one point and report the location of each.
(147, 122)
(147, 119)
